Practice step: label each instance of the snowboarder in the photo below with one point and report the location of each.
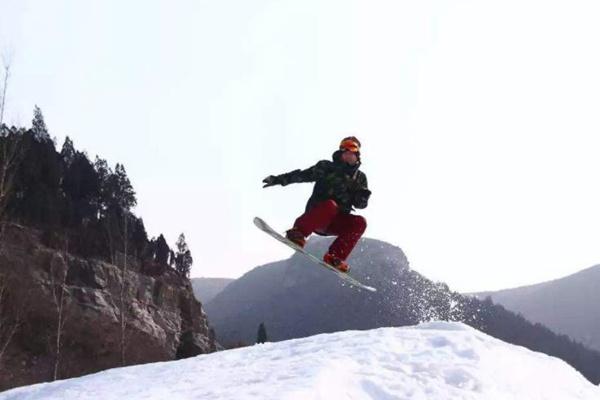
(339, 188)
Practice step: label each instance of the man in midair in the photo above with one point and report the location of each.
(339, 188)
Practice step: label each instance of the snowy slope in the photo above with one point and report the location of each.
(431, 361)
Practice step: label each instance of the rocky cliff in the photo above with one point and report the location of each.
(64, 316)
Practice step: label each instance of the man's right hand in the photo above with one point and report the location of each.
(271, 180)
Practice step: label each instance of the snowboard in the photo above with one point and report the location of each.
(263, 226)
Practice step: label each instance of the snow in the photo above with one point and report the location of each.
(432, 361)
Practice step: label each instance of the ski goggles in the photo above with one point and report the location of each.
(350, 145)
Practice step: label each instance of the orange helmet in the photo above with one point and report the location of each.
(350, 143)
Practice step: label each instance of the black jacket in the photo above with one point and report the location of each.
(335, 180)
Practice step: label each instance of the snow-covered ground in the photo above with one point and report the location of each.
(432, 361)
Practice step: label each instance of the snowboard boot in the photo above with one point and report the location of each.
(336, 262)
(294, 235)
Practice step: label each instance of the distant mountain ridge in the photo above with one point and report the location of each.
(295, 298)
(569, 305)
(205, 289)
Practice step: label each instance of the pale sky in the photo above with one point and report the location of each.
(479, 120)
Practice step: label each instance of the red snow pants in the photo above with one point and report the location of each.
(326, 219)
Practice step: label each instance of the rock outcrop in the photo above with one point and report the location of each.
(161, 319)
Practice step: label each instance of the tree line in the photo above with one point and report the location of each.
(73, 199)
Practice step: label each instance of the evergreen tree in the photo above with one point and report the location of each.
(149, 252)
(38, 199)
(171, 258)
(161, 255)
(68, 151)
(183, 258)
(262, 333)
(118, 194)
(117, 197)
(139, 237)
(104, 172)
(125, 195)
(38, 126)
(81, 187)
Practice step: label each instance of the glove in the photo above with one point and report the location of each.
(361, 198)
(271, 180)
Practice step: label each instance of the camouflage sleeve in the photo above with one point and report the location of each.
(308, 175)
(362, 192)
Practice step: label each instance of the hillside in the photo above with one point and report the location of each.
(205, 289)
(569, 305)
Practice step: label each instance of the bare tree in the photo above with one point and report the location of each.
(108, 230)
(59, 289)
(10, 317)
(123, 305)
(10, 152)
(6, 67)
(125, 300)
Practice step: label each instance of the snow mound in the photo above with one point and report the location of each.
(437, 360)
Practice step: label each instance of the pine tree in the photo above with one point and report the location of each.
(262, 334)
(81, 186)
(103, 171)
(162, 251)
(38, 126)
(125, 195)
(117, 194)
(139, 237)
(183, 258)
(171, 259)
(68, 151)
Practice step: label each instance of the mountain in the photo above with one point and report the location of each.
(295, 298)
(569, 305)
(313, 296)
(435, 361)
(205, 289)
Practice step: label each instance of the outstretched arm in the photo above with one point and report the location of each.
(297, 176)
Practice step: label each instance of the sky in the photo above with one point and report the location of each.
(478, 120)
